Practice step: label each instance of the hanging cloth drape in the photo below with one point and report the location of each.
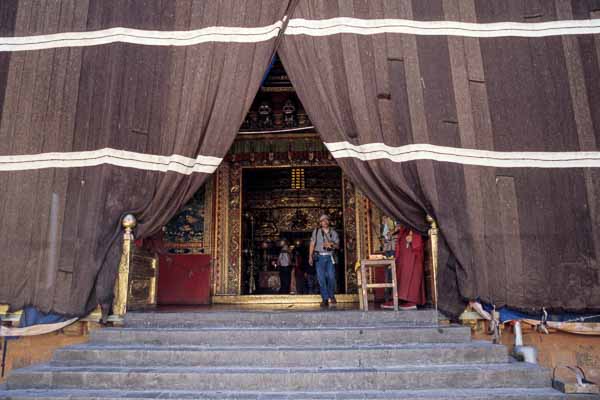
(111, 107)
(492, 129)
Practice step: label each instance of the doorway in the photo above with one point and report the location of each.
(281, 207)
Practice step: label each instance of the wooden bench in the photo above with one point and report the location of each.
(365, 285)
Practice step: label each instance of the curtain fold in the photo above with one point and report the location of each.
(92, 131)
(495, 137)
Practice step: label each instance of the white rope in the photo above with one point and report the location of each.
(35, 330)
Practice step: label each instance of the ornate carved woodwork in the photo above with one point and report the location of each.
(350, 234)
(234, 231)
(282, 210)
(284, 204)
(209, 204)
(185, 233)
(362, 218)
(377, 219)
(143, 275)
(220, 254)
(276, 106)
(290, 150)
(278, 210)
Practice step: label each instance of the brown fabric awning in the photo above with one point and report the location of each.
(100, 130)
(110, 107)
(496, 138)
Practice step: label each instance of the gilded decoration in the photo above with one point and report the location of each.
(281, 211)
(220, 269)
(350, 233)
(235, 230)
(282, 205)
(380, 226)
(279, 150)
(277, 212)
(185, 233)
(362, 220)
(208, 216)
(362, 226)
(276, 106)
(121, 289)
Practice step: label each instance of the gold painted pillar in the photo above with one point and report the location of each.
(433, 242)
(122, 285)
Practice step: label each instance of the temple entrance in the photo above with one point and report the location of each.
(280, 209)
(276, 180)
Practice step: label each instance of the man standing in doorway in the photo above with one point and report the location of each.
(323, 244)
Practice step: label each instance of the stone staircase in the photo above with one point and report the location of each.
(282, 355)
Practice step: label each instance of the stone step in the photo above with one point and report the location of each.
(238, 319)
(410, 377)
(439, 394)
(281, 357)
(261, 336)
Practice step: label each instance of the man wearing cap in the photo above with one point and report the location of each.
(323, 244)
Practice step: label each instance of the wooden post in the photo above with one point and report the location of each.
(395, 285)
(365, 285)
(365, 290)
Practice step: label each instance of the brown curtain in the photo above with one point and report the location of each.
(523, 237)
(60, 226)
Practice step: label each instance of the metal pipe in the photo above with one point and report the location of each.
(4, 347)
(518, 334)
(53, 241)
(523, 353)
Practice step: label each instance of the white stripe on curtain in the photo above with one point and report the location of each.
(144, 37)
(485, 158)
(333, 26)
(299, 26)
(108, 156)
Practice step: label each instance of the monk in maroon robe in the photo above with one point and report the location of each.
(410, 272)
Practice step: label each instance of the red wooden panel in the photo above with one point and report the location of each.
(184, 279)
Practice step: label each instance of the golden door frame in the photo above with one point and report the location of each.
(227, 229)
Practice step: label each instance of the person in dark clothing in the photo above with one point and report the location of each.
(285, 270)
(298, 271)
